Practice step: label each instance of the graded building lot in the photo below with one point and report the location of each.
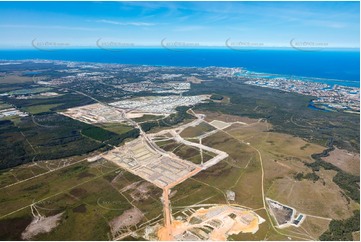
(161, 105)
(95, 113)
(186, 152)
(158, 169)
(219, 124)
(214, 223)
(99, 200)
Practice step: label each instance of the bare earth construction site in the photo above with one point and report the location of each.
(168, 167)
(145, 159)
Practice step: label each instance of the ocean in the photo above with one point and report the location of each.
(330, 66)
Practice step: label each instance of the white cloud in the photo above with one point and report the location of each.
(48, 27)
(125, 23)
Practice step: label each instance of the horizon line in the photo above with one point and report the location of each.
(177, 47)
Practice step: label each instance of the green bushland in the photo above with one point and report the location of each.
(198, 130)
(118, 128)
(59, 103)
(147, 117)
(216, 97)
(171, 120)
(287, 112)
(98, 133)
(347, 182)
(49, 136)
(11, 229)
(36, 109)
(341, 230)
(309, 176)
(30, 91)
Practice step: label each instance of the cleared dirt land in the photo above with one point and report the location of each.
(349, 162)
(210, 116)
(129, 218)
(200, 129)
(215, 223)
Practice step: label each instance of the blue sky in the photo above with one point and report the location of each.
(73, 24)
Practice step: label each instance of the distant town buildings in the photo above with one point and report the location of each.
(335, 97)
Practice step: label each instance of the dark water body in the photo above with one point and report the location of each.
(342, 66)
(311, 106)
(31, 73)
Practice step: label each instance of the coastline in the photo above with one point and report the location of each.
(291, 64)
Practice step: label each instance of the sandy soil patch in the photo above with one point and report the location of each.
(41, 225)
(226, 118)
(141, 114)
(139, 190)
(215, 223)
(129, 218)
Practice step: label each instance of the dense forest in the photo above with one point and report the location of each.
(287, 112)
(341, 230)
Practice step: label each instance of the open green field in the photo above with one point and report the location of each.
(287, 112)
(30, 91)
(90, 196)
(196, 131)
(4, 105)
(275, 147)
(168, 145)
(50, 136)
(12, 79)
(190, 153)
(283, 156)
(29, 170)
(41, 108)
(61, 102)
(46, 134)
(116, 127)
(147, 117)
